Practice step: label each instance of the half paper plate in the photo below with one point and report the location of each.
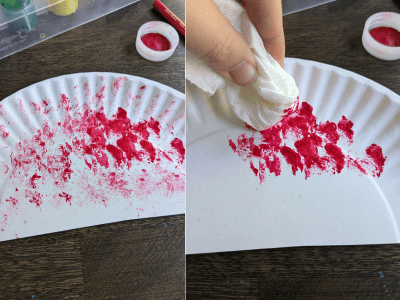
(87, 149)
(337, 184)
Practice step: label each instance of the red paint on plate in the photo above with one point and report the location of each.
(90, 157)
(13, 201)
(117, 85)
(178, 146)
(306, 146)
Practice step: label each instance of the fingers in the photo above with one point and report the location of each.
(266, 15)
(211, 37)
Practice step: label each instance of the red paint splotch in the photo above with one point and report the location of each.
(179, 147)
(100, 95)
(86, 89)
(232, 145)
(154, 125)
(3, 132)
(386, 35)
(345, 126)
(306, 146)
(374, 152)
(13, 201)
(32, 182)
(66, 197)
(43, 107)
(34, 197)
(91, 158)
(156, 41)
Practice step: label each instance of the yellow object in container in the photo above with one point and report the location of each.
(63, 8)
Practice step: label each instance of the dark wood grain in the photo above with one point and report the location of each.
(329, 34)
(103, 45)
(128, 260)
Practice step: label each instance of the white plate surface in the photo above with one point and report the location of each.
(87, 149)
(229, 209)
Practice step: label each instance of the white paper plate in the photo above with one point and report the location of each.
(87, 149)
(227, 207)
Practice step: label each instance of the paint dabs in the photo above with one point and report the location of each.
(90, 158)
(386, 35)
(306, 146)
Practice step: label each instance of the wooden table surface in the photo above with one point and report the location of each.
(329, 34)
(126, 260)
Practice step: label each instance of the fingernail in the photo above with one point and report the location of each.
(244, 73)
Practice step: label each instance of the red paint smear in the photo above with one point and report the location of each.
(337, 156)
(34, 197)
(100, 95)
(315, 146)
(255, 170)
(156, 41)
(149, 148)
(178, 146)
(42, 107)
(232, 145)
(56, 164)
(292, 158)
(65, 103)
(88, 164)
(386, 35)
(154, 125)
(67, 197)
(346, 126)
(13, 201)
(117, 153)
(261, 171)
(250, 127)
(330, 130)
(3, 131)
(109, 149)
(375, 153)
(86, 88)
(32, 180)
(118, 84)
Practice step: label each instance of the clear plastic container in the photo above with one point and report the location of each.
(24, 23)
(156, 27)
(373, 47)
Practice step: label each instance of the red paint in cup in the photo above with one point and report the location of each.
(156, 41)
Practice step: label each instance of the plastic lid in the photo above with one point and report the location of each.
(375, 48)
(157, 27)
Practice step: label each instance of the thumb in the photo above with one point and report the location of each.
(211, 37)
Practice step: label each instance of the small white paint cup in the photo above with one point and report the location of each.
(373, 47)
(156, 27)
